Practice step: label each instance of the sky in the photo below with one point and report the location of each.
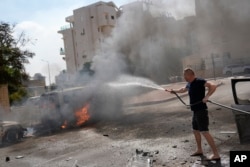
(42, 19)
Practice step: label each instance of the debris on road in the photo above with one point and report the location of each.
(185, 141)
(143, 158)
(75, 164)
(144, 154)
(156, 152)
(68, 159)
(183, 163)
(138, 151)
(174, 158)
(19, 157)
(175, 146)
(7, 159)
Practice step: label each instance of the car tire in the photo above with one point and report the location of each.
(11, 136)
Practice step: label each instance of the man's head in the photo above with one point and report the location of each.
(189, 74)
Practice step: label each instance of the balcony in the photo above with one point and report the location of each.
(62, 52)
(65, 27)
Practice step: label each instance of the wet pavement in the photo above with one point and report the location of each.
(148, 135)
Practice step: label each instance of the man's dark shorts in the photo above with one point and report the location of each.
(200, 120)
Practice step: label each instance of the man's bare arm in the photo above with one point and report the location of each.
(181, 90)
(211, 89)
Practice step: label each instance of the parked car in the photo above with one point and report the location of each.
(236, 69)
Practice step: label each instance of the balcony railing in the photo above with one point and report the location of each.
(65, 27)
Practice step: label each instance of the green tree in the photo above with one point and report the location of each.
(13, 57)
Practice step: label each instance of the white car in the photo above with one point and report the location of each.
(236, 69)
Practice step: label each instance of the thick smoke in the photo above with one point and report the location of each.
(222, 26)
(145, 42)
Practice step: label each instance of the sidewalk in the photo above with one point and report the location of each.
(159, 96)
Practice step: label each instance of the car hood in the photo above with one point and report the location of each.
(8, 123)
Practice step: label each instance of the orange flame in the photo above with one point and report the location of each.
(82, 115)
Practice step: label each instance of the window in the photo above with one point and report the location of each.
(92, 17)
(106, 16)
(84, 56)
(83, 32)
(113, 17)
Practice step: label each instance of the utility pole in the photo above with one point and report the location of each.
(213, 63)
(48, 71)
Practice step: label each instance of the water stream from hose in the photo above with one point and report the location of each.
(130, 81)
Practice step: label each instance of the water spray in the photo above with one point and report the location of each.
(130, 81)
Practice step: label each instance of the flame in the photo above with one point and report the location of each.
(64, 125)
(82, 115)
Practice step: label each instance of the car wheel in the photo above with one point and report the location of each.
(229, 73)
(11, 136)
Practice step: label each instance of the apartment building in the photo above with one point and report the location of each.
(84, 34)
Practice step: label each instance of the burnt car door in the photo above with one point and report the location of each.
(241, 95)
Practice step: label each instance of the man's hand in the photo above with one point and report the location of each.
(205, 100)
(170, 91)
(173, 91)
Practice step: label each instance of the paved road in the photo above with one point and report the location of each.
(162, 127)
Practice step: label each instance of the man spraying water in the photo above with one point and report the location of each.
(198, 99)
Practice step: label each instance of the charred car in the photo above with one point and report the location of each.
(11, 132)
(74, 107)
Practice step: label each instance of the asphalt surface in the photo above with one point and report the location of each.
(155, 134)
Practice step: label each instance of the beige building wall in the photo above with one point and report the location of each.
(4, 98)
(89, 25)
(69, 49)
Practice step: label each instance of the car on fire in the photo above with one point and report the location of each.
(11, 132)
(77, 106)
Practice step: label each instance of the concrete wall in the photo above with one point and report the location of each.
(69, 47)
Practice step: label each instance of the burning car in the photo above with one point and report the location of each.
(74, 107)
(11, 131)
